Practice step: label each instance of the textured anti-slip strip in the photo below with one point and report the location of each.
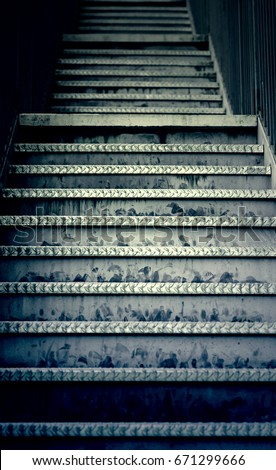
(138, 221)
(141, 148)
(137, 170)
(140, 193)
(138, 328)
(141, 251)
(137, 288)
(136, 375)
(127, 429)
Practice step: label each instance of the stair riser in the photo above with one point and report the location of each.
(137, 135)
(138, 308)
(131, 236)
(150, 402)
(148, 61)
(112, 15)
(141, 181)
(107, 103)
(148, 443)
(206, 159)
(155, 68)
(127, 21)
(137, 110)
(137, 270)
(71, 74)
(126, 351)
(141, 50)
(131, 29)
(93, 88)
(197, 207)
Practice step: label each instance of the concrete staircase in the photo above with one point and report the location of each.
(137, 249)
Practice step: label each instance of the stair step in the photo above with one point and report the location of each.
(136, 97)
(140, 193)
(145, 75)
(29, 350)
(140, 252)
(140, 148)
(137, 29)
(140, 429)
(193, 309)
(141, 87)
(152, 221)
(150, 14)
(193, 235)
(172, 10)
(136, 110)
(150, 399)
(85, 374)
(135, 20)
(152, 121)
(138, 169)
(194, 270)
(146, 328)
(132, 7)
(142, 181)
(147, 159)
(171, 62)
(67, 204)
(128, 38)
(173, 52)
(95, 24)
(123, 288)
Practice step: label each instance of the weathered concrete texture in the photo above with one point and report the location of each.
(139, 207)
(124, 351)
(123, 181)
(241, 309)
(140, 236)
(88, 135)
(137, 270)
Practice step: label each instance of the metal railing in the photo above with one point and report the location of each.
(243, 33)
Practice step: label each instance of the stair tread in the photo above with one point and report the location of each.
(135, 61)
(152, 8)
(141, 148)
(138, 429)
(140, 193)
(137, 29)
(135, 20)
(136, 375)
(138, 288)
(136, 84)
(140, 251)
(139, 52)
(136, 96)
(135, 73)
(137, 110)
(125, 121)
(136, 38)
(139, 169)
(166, 221)
(138, 328)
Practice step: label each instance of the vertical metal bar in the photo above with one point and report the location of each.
(244, 37)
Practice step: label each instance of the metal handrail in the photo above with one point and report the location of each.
(243, 33)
